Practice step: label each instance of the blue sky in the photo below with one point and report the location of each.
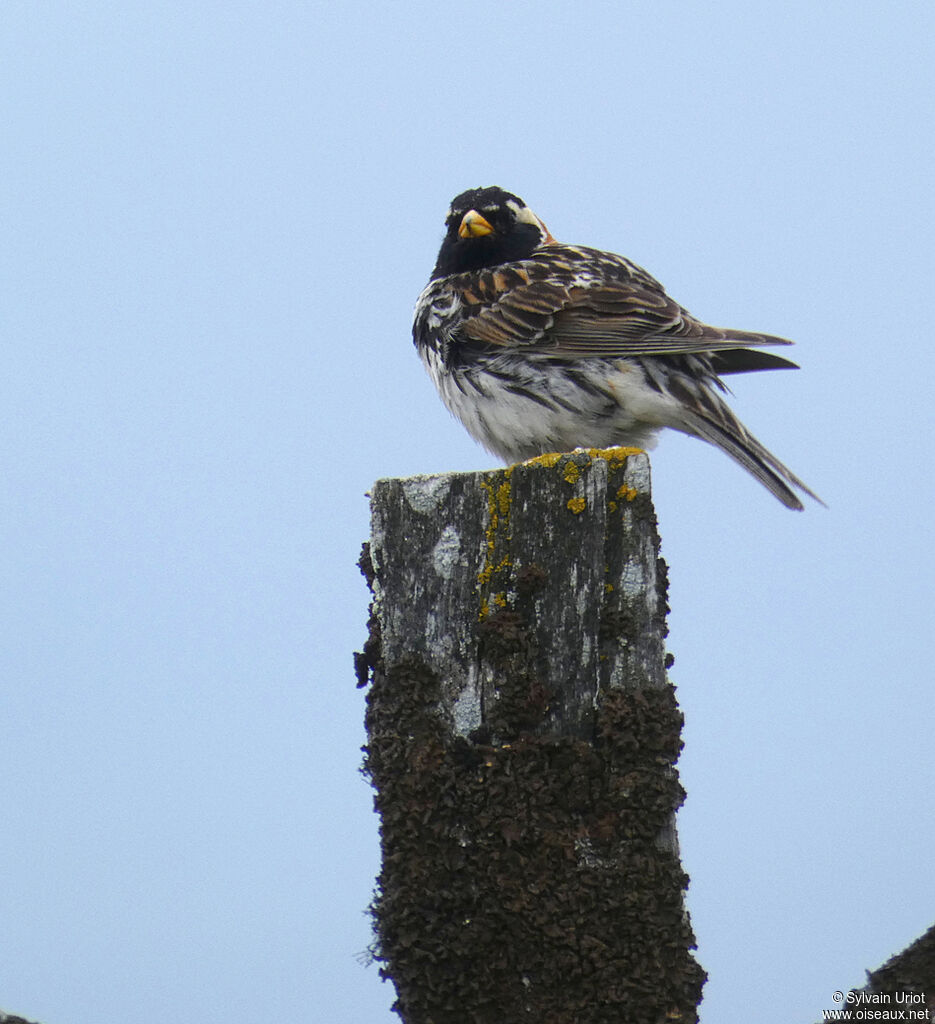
(216, 219)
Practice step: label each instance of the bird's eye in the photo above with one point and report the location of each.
(498, 217)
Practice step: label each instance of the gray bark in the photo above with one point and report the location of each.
(453, 550)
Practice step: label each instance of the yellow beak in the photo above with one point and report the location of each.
(473, 225)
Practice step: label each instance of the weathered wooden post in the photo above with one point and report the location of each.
(522, 738)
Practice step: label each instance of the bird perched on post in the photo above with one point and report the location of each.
(542, 347)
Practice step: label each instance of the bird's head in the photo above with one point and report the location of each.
(485, 227)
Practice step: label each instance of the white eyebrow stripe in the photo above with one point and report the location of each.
(525, 216)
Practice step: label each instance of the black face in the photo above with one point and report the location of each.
(511, 239)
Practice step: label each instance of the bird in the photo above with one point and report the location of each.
(538, 346)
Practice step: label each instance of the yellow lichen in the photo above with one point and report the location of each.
(615, 456)
(499, 499)
(548, 460)
(577, 505)
(504, 497)
(572, 473)
(493, 520)
(611, 454)
(623, 491)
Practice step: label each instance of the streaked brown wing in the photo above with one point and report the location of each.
(522, 316)
(575, 302)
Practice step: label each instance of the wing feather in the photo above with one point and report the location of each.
(574, 302)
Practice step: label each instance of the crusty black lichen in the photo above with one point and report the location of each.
(909, 976)
(521, 698)
(369, 658)
(523, 879)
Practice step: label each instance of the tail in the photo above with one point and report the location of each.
(732, 437)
